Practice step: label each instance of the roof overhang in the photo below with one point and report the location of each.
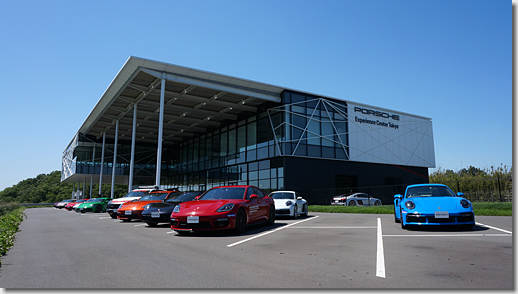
(196, 101)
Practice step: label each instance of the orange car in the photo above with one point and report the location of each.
(133, 209)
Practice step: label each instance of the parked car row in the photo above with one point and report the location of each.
(220, 208)
(237, 207)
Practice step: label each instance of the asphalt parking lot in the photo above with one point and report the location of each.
(61, 249)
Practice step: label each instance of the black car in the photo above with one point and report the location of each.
(160, 212)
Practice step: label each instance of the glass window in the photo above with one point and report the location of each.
(264, 174)
(251, 136)
(232, 142)
(241, 138)
(224, 144)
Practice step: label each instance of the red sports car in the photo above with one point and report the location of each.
(222, 208)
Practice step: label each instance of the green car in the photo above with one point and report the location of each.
(94, 205)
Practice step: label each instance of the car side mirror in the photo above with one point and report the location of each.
(197, 197)
(253, 196)
(460, 194)
(398, 196)
(299, 198)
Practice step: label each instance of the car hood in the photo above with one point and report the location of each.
(124, 200)
(137, 204)
(437, 203)
(201, 207)
(282, 202)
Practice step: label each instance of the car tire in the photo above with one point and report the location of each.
(403, 226)
(82, 211)
(352, 203)
(396, 220)
(98, 209)
(183, 233)
(240, 221)
(126, 220)
(377, 203)
(295, 211)
(113, 215)
(271, 216)
(152, 224)
(305, 210)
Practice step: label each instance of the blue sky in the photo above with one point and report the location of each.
(447, 60)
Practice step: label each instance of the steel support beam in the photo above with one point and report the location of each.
(114, 159)
(132, 158)
(160, 134)
(102, 165)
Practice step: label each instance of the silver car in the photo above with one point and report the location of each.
(353, 199)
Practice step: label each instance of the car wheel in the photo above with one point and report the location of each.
(126, 220)
(403, 226)
(98, 208)
(113, 215)
(352, 203)
(295, 211)
(271, 216)
(305, 210)
(377, 203)
(396, 220)
(152, 224)
(183, 233)
(240, 221)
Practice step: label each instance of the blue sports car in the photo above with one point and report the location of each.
(432, 204)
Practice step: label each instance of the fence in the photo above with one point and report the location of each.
(386, 193)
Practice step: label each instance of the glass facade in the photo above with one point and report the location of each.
(246, 152)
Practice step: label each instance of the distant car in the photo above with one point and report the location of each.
(289, 203)
(133, 209)
(135, 194)
(70, 205)
(94, 205)
(63, 203)
(432, 205)
(160, 212)
(224, 208)
(353, 199)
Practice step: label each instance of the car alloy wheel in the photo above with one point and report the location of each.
(271, 215)
(352, 203)
(305, 210)
(240, 221)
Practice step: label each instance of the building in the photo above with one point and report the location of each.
(172, 126)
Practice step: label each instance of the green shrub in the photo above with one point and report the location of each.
(9, 223)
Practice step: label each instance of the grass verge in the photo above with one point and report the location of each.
(480, 208)
(10, 219)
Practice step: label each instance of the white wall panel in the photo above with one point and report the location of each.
(390, 137)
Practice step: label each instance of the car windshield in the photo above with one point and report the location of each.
(154, 196)
(94, 200)
(182, 197)
(135, 194)
(429, 191)
(224, 193)
(282, 195)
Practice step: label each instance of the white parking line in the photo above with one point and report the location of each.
(380, 256)
(309, 227)
(102, 217)
(269, 232)
(140, 225)
(453, 235)
(494, 228)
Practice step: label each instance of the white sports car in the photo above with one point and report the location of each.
(353, 199)
(289, 203)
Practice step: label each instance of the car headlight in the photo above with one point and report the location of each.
(176, 209)
(288, 203)
(120, 206)
(410, 204)
(224, 208)
(147, 206)
(465, 203)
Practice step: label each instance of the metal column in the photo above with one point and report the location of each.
(132, 159)
(160, 134)
(92, 177)
(102, 165)
(114, 158)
